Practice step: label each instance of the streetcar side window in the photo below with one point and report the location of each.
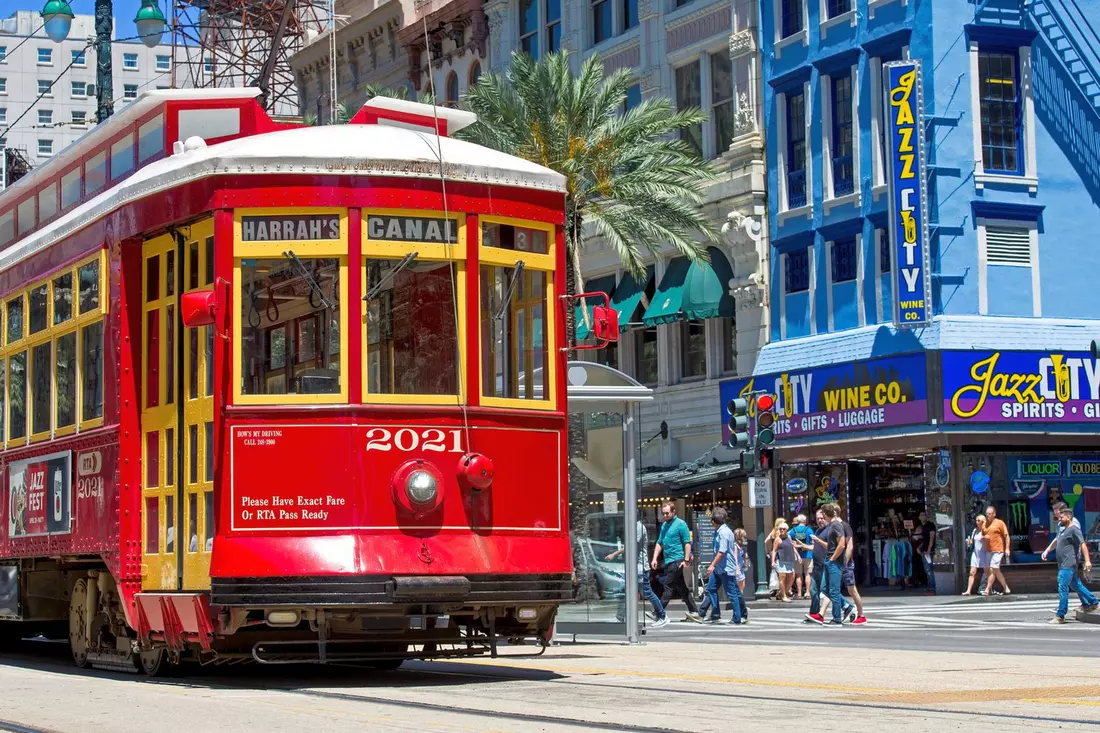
(17, 396)
(91, 365)
(287, 308)
(514, 340)
(412, 327)
(519, 238)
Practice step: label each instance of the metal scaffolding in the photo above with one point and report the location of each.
(236, 43)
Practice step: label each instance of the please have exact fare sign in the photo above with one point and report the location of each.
(908, 197)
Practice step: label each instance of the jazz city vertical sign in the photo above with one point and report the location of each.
(908, 194)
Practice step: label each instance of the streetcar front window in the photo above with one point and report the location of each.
(412, 327)
(289, 308)
(514, 348)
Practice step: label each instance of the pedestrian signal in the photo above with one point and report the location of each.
(739, 423)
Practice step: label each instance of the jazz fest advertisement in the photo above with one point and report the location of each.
(908, 197)
(839, 398)
(40, 495)
(1020, 387)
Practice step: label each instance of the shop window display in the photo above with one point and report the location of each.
(1024, 488)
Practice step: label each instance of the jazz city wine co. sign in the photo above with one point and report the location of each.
(912, 291)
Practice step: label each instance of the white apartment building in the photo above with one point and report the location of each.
(47, 89)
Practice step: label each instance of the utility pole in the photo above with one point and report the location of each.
(104, 75)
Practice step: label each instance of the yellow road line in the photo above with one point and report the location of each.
(1093, 703)
(703, 678)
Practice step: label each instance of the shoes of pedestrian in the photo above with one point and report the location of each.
(834, 623)
(744, 622)
(859, 620)
(852, 617)
(1090, 609)
(693, 617)
(714, 620)
(815, 618)
(663, 621)
(1057, 621)
(649, 616)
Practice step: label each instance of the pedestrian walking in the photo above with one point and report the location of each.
(784, 559)
(713, 579)
(644, 587)
(801, 535)
(741, 537)
(672, 554)
(1070, 543)
(722, 571)
(769, 547)
(848, 577)
(832, 536)
(1000, 550)
(926, 547)
(817, 586)
(1057, 509)
(979, 553)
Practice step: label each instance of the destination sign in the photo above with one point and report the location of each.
(290, 228)
(426, 229)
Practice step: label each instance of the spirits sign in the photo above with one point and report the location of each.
(908, 196)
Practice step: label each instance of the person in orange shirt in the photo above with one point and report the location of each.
(1000, 549)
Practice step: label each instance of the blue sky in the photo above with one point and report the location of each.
(125, 10)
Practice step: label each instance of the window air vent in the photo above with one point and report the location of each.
(1008, 246)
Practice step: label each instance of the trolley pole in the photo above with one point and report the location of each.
(104, 76)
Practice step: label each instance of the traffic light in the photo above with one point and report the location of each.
(763, 455)
(739, 423)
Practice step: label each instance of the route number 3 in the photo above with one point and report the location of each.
(432, 440)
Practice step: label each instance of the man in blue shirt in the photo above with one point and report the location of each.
(803, 537)
(724, 569)
(672, 554)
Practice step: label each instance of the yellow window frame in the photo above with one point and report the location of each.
(499, 257)
(27, 342)
(374, 249)
(334, 248)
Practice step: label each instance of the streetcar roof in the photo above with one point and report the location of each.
(353, 149)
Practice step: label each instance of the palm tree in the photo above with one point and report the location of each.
(629, 176)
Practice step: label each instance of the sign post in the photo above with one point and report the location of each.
(904, 102)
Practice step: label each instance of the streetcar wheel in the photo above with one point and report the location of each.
(154, 662)
(78, 638)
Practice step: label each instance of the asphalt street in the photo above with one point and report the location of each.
(920, 664)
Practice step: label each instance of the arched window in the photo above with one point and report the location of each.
(475, 73)
(452, 89)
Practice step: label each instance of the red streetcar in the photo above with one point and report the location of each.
(282, 393)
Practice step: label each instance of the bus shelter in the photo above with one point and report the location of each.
(603, 506)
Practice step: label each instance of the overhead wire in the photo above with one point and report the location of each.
(448, 247)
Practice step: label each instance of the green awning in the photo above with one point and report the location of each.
(666, 303)
(604, 284)
(628, 295)
(693, 291)
(707, 290)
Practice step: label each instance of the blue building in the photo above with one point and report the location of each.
(996, 399)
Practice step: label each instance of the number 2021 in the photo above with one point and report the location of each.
(432, 440)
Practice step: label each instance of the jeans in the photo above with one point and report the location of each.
(833, 571)
(710, 598)
(647, 594)
(816, 581)
(733, 592)
(673, 580)
(1068, 579)
(927, 560)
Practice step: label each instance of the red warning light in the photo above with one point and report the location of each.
(765, 402)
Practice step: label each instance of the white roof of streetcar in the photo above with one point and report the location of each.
(388, 149)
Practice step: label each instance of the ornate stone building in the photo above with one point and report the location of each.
(367, 52)
(446, 42)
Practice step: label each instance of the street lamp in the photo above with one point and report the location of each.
(58, 19)
(150, 22)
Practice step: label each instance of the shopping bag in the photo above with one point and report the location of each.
(773, 582)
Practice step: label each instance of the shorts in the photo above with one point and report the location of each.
(848, 575)
(804, 566)
(995, 559)
(784, 568)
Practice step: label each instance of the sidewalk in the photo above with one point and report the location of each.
(915, 597)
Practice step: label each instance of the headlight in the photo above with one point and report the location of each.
(421, 487)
